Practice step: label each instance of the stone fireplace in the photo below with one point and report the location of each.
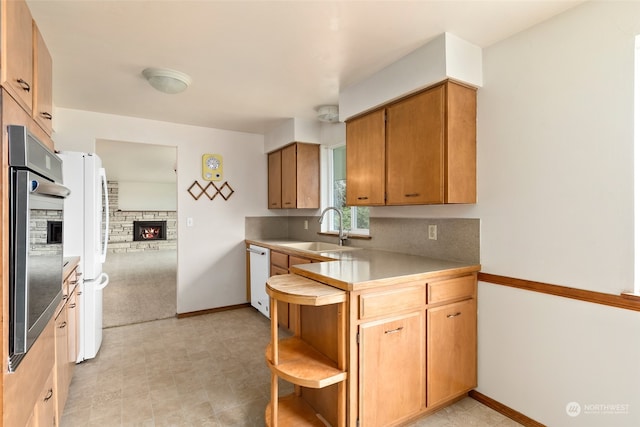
(149, 230)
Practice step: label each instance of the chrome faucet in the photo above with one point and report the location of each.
(342, 234)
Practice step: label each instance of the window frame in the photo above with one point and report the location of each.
(353, 230)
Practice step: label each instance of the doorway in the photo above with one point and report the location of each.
(143, 272)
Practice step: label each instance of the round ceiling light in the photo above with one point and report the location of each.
(328, 113)
(166, 80)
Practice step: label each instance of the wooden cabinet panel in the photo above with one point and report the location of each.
(366, 160)
(289, 177)
(17, 55)
(307, 176)
(460, 166)
(45, 409)
(415, 149)
(62, 379)
(275, 180)
(451, 289)
(392, 366)
(296, 168)
(43, 96)
(392, 301)
(451, 351)
(279, 259)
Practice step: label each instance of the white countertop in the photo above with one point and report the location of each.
(365, 268)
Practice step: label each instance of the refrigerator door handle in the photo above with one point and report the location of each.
(105, 192)
(104, 281)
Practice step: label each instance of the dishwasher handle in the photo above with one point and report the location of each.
(256, 251)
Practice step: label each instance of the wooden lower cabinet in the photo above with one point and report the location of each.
(451, 351)
(391, 376)
(45, 409)
(62, 357)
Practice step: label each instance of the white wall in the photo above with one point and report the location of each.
(146, 196)
(211, 270)
(555, 200)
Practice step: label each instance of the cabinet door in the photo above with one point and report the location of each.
(72, 322)
(415, 149)
(392, 379)
(62, 359)
(43, 97)
(366, 160)
(289, 181)
(45, 410)
(307, 176)
(275, 180)
(17, 56)
(451, 351)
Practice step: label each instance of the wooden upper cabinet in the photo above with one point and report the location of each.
(366, 159)
(275, 180)
(294, 177)
(43, 94)
(428, 143)
(17, 55)
(415, 149)
(289, 177)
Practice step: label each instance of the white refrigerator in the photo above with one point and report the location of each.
(86, 232)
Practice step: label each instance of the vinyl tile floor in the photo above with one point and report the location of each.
(205, 370)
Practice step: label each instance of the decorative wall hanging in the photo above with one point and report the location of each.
(212, 167)
(210, 190)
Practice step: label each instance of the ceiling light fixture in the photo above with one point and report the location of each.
(166, 80)
(328, 113)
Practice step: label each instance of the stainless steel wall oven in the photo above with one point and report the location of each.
(36, 201)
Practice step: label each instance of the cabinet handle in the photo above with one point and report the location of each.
(46, 115)
(24, 85)
(393, 331)
(49, 395)
(412, 195)
(287, 203)
(79, 293)
(449, 316)
(363, 198)
(78, 274)
(63, 325)
(72, 305)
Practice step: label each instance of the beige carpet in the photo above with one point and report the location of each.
(142, 287)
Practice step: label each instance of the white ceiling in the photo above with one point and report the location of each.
(253, 64)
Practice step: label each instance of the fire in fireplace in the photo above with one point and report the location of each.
(149, 230)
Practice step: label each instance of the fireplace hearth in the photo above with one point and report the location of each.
(149, 230)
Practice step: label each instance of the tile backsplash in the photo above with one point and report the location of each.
(458, 239)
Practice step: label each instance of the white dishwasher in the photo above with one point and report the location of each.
(259, 263)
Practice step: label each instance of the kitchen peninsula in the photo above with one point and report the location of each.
(396, 332)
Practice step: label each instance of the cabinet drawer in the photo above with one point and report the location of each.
(391, 301)
(280, 259)
(294, 260)
(451, 289)
(275, 270)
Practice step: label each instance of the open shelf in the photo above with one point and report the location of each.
(296, 289)
(303, 365)
(293, 411)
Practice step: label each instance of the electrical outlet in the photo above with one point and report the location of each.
(433, 232)
(306, 224)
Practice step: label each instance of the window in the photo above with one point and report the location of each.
(355, 218)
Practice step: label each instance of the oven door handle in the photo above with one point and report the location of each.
(47, 188)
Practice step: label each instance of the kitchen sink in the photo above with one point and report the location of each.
(318, 247)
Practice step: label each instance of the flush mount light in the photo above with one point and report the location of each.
(328, 113)
(166, 80)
